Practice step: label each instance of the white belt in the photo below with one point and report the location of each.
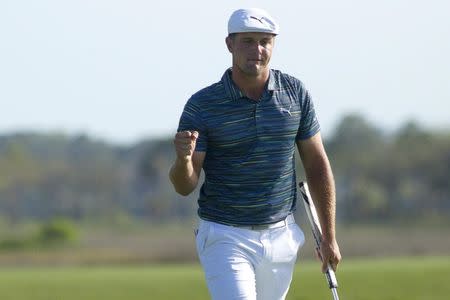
(289, 220)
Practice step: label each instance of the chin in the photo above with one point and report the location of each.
(255, 71)
(252, 70)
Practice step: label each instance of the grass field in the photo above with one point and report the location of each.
(413, 278)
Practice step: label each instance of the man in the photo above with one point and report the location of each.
(242, 132)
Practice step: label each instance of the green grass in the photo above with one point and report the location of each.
(415, 278)
(388, 279)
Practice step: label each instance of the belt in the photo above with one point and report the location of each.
(288, 220)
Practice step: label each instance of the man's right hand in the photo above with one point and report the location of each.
(185, 172)
(185, 142)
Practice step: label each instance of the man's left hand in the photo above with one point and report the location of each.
(330, 254)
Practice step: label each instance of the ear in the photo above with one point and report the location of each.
(229, 42)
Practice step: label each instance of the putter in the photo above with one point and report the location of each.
(317, 233)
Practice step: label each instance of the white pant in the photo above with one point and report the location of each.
(244, 263)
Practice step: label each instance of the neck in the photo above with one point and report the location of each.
(251, 86)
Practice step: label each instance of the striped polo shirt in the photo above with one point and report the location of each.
(249, 164)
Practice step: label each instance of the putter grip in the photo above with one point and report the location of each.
(331, 278)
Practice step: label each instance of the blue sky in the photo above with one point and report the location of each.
(122, 70)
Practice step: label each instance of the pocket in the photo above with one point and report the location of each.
(201, 236)
(286, 242)
(299, 236)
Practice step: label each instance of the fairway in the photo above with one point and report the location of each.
(404, 278)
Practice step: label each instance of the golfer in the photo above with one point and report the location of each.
(242, 131)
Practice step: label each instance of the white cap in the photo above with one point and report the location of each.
(252, 20)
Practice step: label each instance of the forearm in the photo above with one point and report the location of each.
(183, 176)
(322, 187)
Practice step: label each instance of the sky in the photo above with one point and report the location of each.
(122, 70)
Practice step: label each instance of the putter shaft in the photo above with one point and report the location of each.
(335, 294)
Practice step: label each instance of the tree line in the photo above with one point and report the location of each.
(380, 176)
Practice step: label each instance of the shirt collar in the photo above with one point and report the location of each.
(235, 93)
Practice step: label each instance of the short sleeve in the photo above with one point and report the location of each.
(191, 119)
(309, 124)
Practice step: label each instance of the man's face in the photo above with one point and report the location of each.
(251, 51)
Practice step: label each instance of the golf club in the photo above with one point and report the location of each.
(317, 233)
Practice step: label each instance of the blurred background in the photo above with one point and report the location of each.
(91, 93)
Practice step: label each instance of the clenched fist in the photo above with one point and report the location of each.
(185, 144)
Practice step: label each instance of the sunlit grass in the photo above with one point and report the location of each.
(411, 278)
